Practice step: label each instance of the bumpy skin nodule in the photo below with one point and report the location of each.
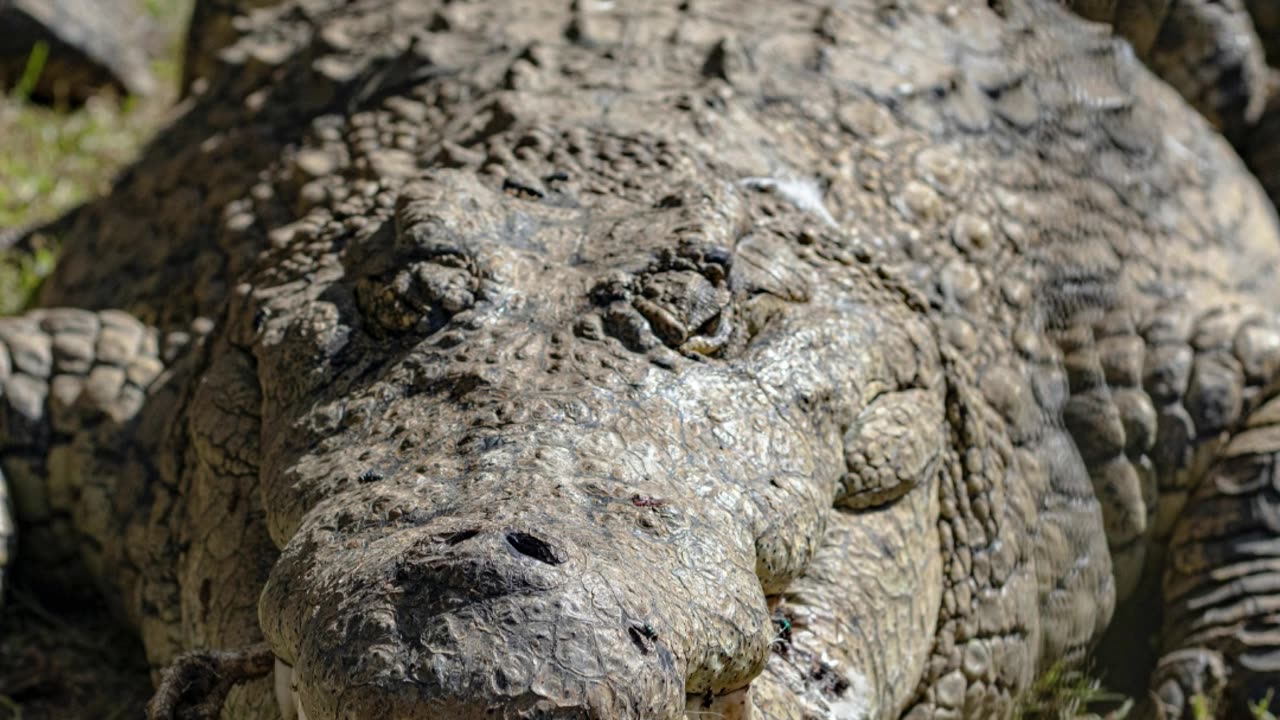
(1221, 55)
(838, 360)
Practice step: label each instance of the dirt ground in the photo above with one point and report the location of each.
(67, 660)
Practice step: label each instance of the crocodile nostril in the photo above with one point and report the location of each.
(460, 536)
(534, 547)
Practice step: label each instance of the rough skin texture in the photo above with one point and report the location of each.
(528, 359)
(1221, 56)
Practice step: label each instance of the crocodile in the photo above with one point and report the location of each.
(1219, 54)
(510, 358)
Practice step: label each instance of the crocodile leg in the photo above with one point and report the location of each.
(1210, 52)
(73, 382)
(1261, 148)
(1221, 56)
(1206, 49)
(104, 478)
(1221, 587)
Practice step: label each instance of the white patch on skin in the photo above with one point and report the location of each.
(1176, 147)
(284, 691)
(286, 687)
(804, 193)
(856, 704)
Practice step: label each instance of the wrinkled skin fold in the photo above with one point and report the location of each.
(544, 360)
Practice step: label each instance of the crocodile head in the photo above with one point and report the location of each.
(572, 463)
(689, 399)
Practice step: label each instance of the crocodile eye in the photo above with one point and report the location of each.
(422, 296)
(683, 303)
(680, 304)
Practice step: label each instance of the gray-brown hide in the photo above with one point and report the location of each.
(538, 359)
(1221, 55)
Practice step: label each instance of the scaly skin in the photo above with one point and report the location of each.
(839, 360)
(1221, 56)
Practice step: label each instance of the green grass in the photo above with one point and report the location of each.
(1262, 709)
(52, 158)
(49, 162)
(31, 73)
(1064, 693)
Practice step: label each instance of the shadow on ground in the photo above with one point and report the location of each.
(68, 663)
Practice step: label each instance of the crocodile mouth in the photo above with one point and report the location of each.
(730, 706)
(507, 620)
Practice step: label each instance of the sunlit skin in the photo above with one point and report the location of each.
(703, 358)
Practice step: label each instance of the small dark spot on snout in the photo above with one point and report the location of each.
(534, 547)
(647, 501)
(643, 636)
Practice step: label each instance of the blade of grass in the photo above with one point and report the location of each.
(34, 69)
(14, 708)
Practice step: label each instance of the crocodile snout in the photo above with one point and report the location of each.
(467, 616)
